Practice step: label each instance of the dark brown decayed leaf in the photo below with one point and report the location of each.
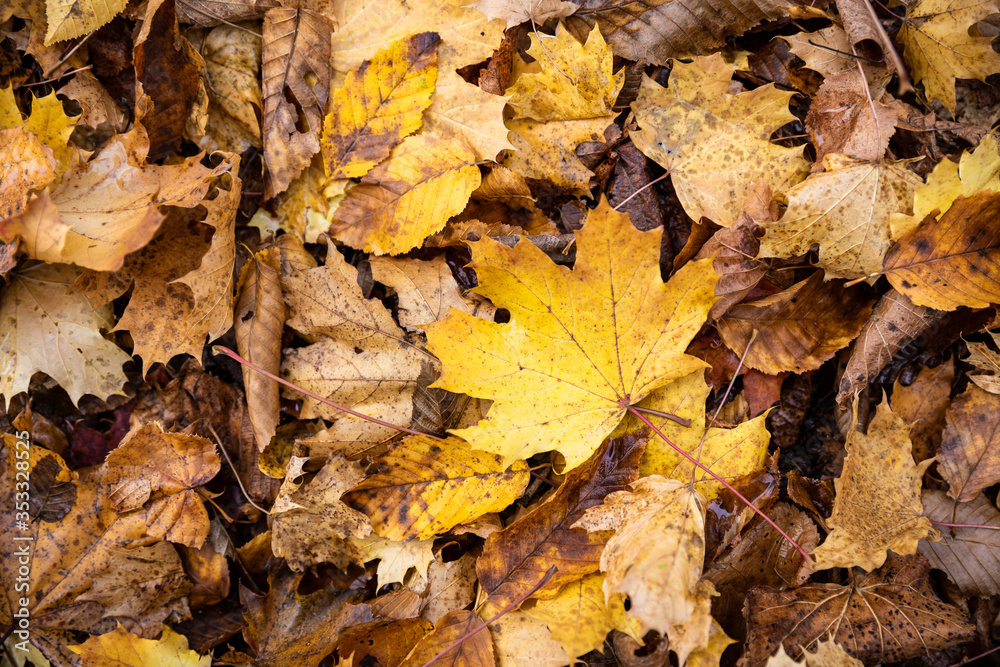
(516, 558)
(260, 316)
(627, 188)
(841, 119)
(799, 328)
(891, 614)
(655, 30)
(290, 630)
(969, 457)
(296, 75)
(476, 651)
(167, 66)
(954, 261)
(969, 556)
(49, 499)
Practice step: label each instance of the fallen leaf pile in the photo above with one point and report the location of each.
(511, 333)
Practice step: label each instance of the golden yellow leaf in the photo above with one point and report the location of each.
(26, 164)
(845, 210)
(306, 207)
(562, 375)
(426, 180)
(41, 304)
(425, 487)
(656, 558)
(939, 48)
(10, 114)
(120, 648)
(259, 319)
(951, 262)
(379, 104)
(730, 453)
(68, 19)
(714, 144)
(52, 126)
(547, 151)
(579, 618)
(426, 290)
(976, 172)
(710, 654)
(878, 498)
(576, 80)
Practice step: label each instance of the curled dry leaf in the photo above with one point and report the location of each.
(513, 558)
(969, 556)
(120, 648)
(888, 615)
(39, 301)
(214, 12)
(259, 318)
(878, 498)
(656, 557)
(587, 368)
(425, 487)
(171, 465)
(714, 144)
(969, 458)
(475, 651)
(987, 364)
(379, 105)
(953, 261)
(798, 328)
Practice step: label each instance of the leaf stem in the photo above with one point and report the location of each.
(512, 606)
(962, 525)
(721, 481)
(218, 349)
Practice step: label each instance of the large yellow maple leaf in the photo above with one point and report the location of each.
(715, 145)
(581, 346)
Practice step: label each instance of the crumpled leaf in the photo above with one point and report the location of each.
(306, 207)
(842, 119)
(987, 364)
(715, 145)
(969, 556)
(476, 651)
(885, 616)
(845, 210)
(939, 49)
(38, 303)
(68, 19)
(656, 557)
(310, 524)
(379, 105)
(654, 30)
(425, 487)
(969, 457)
(878, 498)
(427, 179)
(171, 465)
(951, 262)
(519, 11)
(799, 328)
(120, 648)
(561, 376)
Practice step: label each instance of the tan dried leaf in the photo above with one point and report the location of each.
(969, 556)
(969, 457)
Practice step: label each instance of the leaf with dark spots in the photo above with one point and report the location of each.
(50, 499)
(516, 558)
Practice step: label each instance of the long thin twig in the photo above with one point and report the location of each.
(513, 605)
(218, 349)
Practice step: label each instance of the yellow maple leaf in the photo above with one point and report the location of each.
(977, 171)
(846, 210)
(714, 144)
(379, 105)
(49, 122)
(878, 503)
(120, 648)
(582, 345)
(938, 48)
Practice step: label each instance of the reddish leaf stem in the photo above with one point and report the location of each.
(513, 605)
(721, 481)
(217, 349)
(961, 525)
(966, 661)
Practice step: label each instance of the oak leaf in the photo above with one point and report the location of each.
(68, 19)
(888, 615)
(951, 262)
(969, 555)
(425, 487)
(714, 144)
(514, 559)
(561, 376)
(656, 558)
(969, 457)
(800, 327)
(379, 105)
(427, 179)
(846, 211)
(475, 651)
(939, 47)
(169, 465)
(878, 498)
(120, 648)
(38, 302)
